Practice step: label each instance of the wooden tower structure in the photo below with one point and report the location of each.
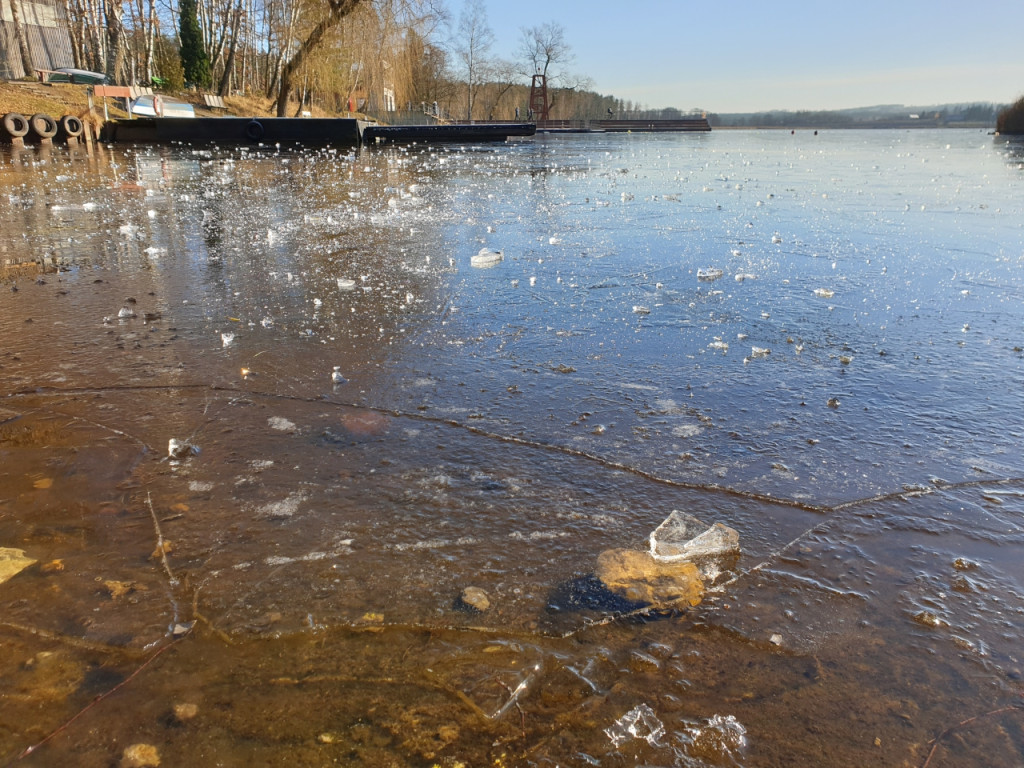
(539, 97)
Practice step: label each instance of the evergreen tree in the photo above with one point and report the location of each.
(193, 55)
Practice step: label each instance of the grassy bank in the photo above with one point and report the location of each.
(56, 99)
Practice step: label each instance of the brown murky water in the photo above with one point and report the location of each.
(290, 593)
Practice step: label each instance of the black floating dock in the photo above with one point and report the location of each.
(455, 132)
(300, 130)
(237, 130)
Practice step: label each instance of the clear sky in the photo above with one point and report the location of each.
(746, 56)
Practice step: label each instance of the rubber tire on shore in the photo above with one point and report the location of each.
(254, 130)
(70, 127)
(15, 125)
(43, 126)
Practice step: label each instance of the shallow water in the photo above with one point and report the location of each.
(846, 395)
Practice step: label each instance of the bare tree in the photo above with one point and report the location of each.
(472, 42)
(544, 51)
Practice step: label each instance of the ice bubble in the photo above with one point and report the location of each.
(227, 339)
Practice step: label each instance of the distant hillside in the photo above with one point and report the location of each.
(981, 115)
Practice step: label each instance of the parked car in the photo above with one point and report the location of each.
(158, 105)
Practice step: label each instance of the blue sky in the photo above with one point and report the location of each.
(743, 56)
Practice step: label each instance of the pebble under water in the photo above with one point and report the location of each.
(394, 374)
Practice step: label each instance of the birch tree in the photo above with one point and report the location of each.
(472, 44)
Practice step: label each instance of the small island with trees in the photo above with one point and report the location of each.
(1011, 119)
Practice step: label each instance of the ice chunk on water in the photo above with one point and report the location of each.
(639, 723)
(709, 274)
(179, 449)
(345, 284)
(719, 740)
(824, 293)
(486, 258)
(683, 537)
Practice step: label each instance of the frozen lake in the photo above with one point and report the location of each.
(817, 340)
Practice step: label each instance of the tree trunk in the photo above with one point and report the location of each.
(339, 9)
(150, 41)
(75, 33)
(19, 32)
(115, 41)
(225, 80)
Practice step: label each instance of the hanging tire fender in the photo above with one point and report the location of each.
(70, 127)
(254, 130)
(43, 126)
(15, 125)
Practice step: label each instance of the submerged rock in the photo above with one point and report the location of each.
(13, 562)
(476, 598)
(140, 756)
(638, 576)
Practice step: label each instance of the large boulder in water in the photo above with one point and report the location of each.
(638, 576)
